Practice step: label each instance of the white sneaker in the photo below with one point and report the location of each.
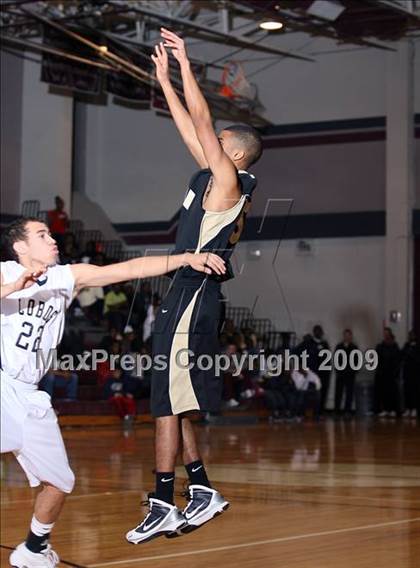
(162, 519)
(203, 505)
(22, 557)
(414, 413)
(232, 403)
(393, 414)
(383, 414)
(407, 414)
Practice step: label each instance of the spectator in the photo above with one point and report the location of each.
(279, 394)
(308, 387)
(116, 307)
(131, 343)
(387, 375)
(108, 340)
(122, 401)
(150, 318)
(63, 380)
(103, 368)
(69, 252)
(58, 221)
(91, 300)
(89, 253)
(229, 329)
(411, 376)
(232, 384)
(99, 259)
(321, 343)
(137, 303)
(138, 384)
(345, 378)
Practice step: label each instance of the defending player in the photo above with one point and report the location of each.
(35, 293)
(211, 219)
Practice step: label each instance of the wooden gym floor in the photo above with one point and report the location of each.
(333, 494)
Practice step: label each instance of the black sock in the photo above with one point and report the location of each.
(165, 483)
(36, 543)
(197, 474)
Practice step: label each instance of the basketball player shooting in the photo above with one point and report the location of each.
(189, 318)
(35, 293)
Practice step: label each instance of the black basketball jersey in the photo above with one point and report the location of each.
(213, 231)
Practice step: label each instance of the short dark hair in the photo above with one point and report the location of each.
(13, 233)
(250, 138)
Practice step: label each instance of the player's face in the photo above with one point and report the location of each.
(40, 247)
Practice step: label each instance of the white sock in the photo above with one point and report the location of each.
(40, 529)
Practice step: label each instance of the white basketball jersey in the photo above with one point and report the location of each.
(33, 319)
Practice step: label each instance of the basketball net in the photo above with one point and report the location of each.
(234, 83)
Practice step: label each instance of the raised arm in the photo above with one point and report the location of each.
(225, 178)
(181, 117)
(90, 275)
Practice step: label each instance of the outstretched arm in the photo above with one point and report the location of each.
(181, 117)
(225, 178)
(90, 275)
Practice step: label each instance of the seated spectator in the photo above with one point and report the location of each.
(279, 394)
(58, 222)
(308, 387)
(122, 401)
(91, 300)
(411, 376)
(116, 307)
(63, 380)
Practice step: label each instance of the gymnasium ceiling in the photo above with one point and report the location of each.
(219, 27)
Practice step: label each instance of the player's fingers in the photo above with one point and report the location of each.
(217, 262)
(163, 53)
(171, 44)
(212, 263)
(169, 33)
(158, 55)
(169, 36)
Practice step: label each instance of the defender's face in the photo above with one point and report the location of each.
(39, 245)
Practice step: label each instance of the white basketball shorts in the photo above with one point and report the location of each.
(30, 430)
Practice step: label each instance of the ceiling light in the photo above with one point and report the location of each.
(271, 25)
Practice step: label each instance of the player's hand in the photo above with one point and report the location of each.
(160, 59)
(207, 262)
(176, 44)
(28, 279)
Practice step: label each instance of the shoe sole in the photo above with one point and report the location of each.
(165, 532)
(201, 520)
